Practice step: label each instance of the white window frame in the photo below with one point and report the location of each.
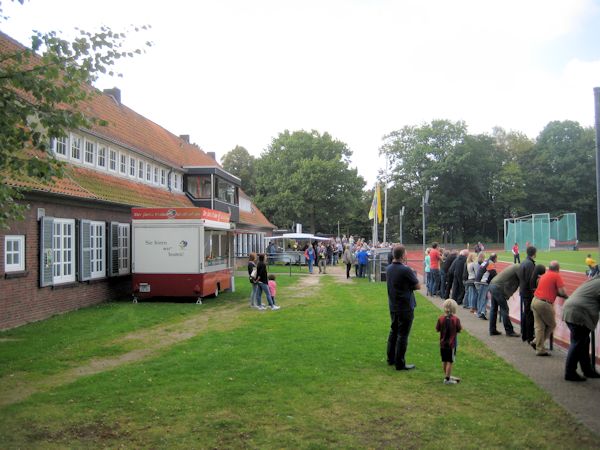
(101, 154)
(89, 152)
(20, 253)
(132, 167)
(61, 142)
(63, 258)
(141, 169)
(76, 145)
(123, 166)
(163, 177)
(113, 160)
(98, 249)
(155, 181)
(124, 246)
(148, 173)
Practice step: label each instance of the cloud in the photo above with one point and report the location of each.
(239, 72)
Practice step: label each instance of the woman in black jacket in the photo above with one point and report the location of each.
(254, 298)
(263, 284)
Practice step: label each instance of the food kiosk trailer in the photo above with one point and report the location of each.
(181, 252)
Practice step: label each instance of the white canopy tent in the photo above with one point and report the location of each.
(311, 237)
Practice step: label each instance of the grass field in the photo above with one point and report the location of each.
(568, 259)
(312, 375)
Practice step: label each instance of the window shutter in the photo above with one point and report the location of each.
(46, 251)
(113, 249)
(85, 251)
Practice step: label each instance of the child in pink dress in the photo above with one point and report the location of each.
(273, 290)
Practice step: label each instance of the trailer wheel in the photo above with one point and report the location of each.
(135, 300)
(217, 290)
(199, 301)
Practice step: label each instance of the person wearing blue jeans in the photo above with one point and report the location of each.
(263, 284)
(252, 268)
(363, 259)
(310, 258)
(502, 287)
(482, 291)
(435, 281)
(442, 288)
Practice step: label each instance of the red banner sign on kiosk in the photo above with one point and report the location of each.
(179, 214)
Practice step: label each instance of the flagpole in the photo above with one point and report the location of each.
(375, 203)
(385, 202)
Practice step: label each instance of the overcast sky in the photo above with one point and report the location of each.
(239, 72)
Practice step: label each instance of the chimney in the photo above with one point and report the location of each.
(185, 138)
(213, 155)
(115, 93)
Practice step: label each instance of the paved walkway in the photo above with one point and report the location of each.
(582, 400)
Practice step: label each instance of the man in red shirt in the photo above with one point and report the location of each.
(516, 255)
(434, 268)
(550, 286)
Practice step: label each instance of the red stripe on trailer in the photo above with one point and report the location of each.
(181, 285)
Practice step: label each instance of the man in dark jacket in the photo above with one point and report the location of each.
(458, 269)
(401, 284)
(527, 284)
(445, 289)
(581, 315)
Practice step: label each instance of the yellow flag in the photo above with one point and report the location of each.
(379, 211)
(373, 205)
(376, 205)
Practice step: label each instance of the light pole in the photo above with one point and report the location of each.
(401, 216)
(424, 206)
(597, 111)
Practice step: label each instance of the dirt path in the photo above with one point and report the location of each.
(15, 388)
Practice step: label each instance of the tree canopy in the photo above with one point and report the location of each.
(475, 181)
(243, 165)
(304, 177)
(40, 89)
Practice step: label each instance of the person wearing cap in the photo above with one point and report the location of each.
(550, 286)
(581, 316)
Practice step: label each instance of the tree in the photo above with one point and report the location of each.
(243, 165)
(40, 90)
(558, 177)
(421, 158)
(305, 177)
(413, 152)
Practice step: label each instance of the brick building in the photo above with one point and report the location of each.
(74, 247)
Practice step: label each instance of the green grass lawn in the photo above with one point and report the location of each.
(312, 375)
(568, 259)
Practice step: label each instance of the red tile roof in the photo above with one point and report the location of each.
(255, 217)
(94, 185)
(131, 130)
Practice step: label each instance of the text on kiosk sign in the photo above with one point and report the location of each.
(179, 214)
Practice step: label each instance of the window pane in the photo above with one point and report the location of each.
(199, 186)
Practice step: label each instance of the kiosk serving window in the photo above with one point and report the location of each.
(216, 248)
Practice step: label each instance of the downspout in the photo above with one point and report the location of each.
(169, 179)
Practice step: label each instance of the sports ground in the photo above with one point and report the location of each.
(311, 375)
